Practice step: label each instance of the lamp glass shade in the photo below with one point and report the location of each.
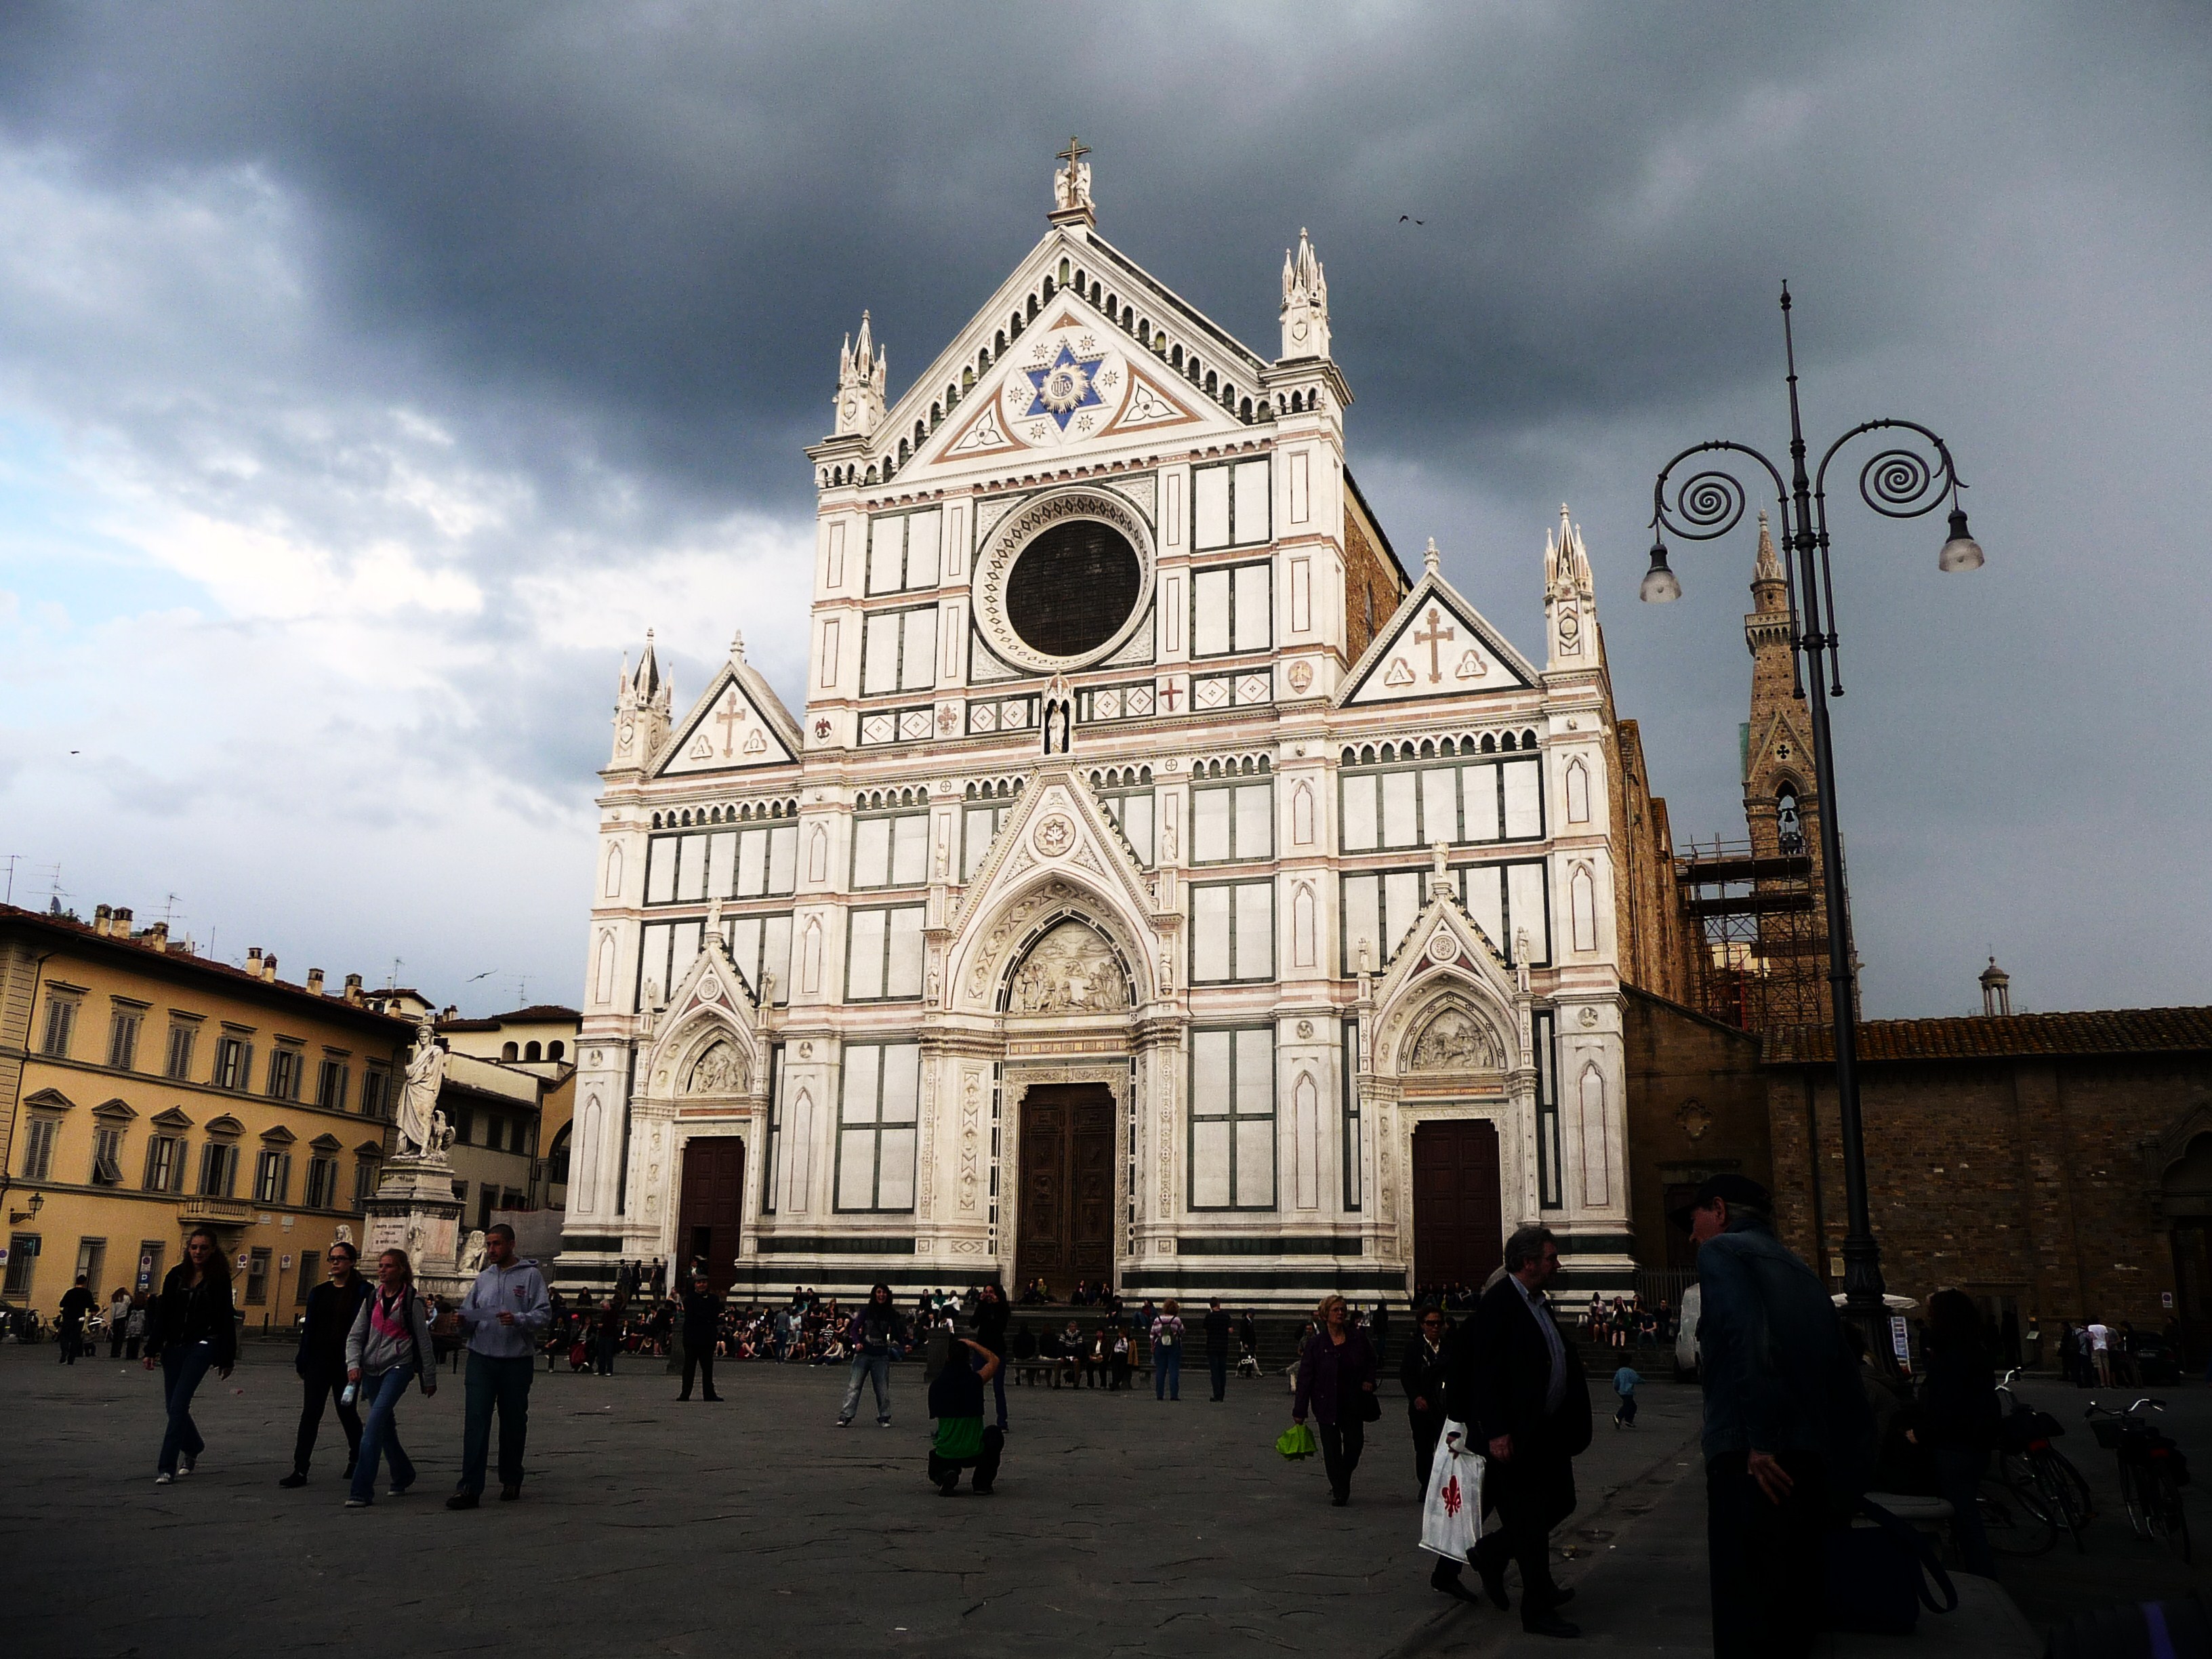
(1659, 585)
(1962, 551)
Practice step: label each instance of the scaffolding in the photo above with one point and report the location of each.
(1761, 955)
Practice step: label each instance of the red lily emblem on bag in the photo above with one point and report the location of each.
(1451, 1497)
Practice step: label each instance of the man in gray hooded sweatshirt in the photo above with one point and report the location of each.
(503, 1313)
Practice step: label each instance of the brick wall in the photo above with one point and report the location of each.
(1697, 1105)
(1369, 581)
(2035, 1176)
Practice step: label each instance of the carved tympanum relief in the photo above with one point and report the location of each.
(717, 1072)
(1456, 1041)
(1070, 971)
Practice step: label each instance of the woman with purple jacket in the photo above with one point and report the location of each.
(1336, 1383)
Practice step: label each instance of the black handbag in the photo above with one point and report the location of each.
(1371, 1408)
(1878, 1576)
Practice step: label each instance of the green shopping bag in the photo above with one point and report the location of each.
(1296, 1441)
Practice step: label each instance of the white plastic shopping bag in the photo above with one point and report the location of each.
(1451, 1518)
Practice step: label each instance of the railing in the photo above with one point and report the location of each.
(1655, 1284)
(220, 1211)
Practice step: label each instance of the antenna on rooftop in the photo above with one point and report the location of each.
(392, 980)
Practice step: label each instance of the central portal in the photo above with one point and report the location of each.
(1064, 1222)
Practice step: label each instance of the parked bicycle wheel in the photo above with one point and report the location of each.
(2017, 1519)
(2077, 1488)
(2046, 1479)
(2163, 1509)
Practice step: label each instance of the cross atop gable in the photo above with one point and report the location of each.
(1435, 645)
(739, 722)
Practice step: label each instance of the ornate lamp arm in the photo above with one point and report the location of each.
(1709, 504)
(1897, 483)
(1712, 502)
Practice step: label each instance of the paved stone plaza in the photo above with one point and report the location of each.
(1120, 1526)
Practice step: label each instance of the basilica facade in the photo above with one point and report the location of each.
(1163, 882)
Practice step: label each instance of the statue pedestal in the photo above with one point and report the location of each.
(414, 1209)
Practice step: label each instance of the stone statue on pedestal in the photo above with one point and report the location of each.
(421, 1125)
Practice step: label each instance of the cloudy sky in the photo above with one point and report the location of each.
(372, 377)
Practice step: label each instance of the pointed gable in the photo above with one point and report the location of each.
(1056, 828)
(1435, 645)
(1075, 375)
(738, 723)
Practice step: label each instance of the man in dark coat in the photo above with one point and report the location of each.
(1422, 1374)
(321, 1361)
(702, 1322)
(1516, 1381)
(1785, 1418)
(1217, 1346)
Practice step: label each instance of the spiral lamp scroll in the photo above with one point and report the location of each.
(1898, 483)
(1707, 506)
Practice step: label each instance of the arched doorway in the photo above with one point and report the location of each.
(710, 1210)
(1063, 1210)
(2185, 1201)
(1459, 1235)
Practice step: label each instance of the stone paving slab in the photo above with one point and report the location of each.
(1121, 1525)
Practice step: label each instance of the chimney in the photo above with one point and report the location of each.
(268, 970)
(254, 962)
(122, 921)
(314, 982)
(103, 921)
(353, 989)
(157, 935)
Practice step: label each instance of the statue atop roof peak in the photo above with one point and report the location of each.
(1071, 187)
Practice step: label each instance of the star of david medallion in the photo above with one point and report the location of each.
(1062, 386)
(710, 988)
(1054, 836)
(1442, 947)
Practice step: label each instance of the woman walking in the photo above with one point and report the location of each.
(1336, 1384)
(118, 1322)
(193, 1325)
(389, 1345)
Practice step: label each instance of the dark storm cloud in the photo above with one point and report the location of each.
(614, 248)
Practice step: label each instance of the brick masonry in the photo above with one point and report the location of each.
(2047, 1178)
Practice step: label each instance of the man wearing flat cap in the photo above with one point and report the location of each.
(1783, 1418)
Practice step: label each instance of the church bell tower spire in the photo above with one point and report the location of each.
(862, 370)
(643, 699)
(1305, 303)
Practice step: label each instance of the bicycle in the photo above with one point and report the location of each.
(2018, 1519)
(2153, 1471)
(2026, 1456)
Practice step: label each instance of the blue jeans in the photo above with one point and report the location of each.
(503, 1385)
(380, 1433)
(874, 1366)
(183, 1364)
(1167, 1372)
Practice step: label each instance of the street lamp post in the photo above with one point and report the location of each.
(1899, 483)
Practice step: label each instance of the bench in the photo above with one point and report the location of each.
(1061, 1373)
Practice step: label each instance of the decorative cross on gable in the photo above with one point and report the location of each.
(1434, 637)
(733, 712)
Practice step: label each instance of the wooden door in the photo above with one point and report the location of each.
(1064, 1219)
(712, 1209)
(1458, 1224)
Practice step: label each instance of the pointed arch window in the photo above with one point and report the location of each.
(1789, 823)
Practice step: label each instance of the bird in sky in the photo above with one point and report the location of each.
(1408, 219)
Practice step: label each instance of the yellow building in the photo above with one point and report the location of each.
(148, 1092)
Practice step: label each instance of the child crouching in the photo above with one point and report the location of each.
(955, 1401)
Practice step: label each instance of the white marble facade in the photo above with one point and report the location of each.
(1143, 814)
